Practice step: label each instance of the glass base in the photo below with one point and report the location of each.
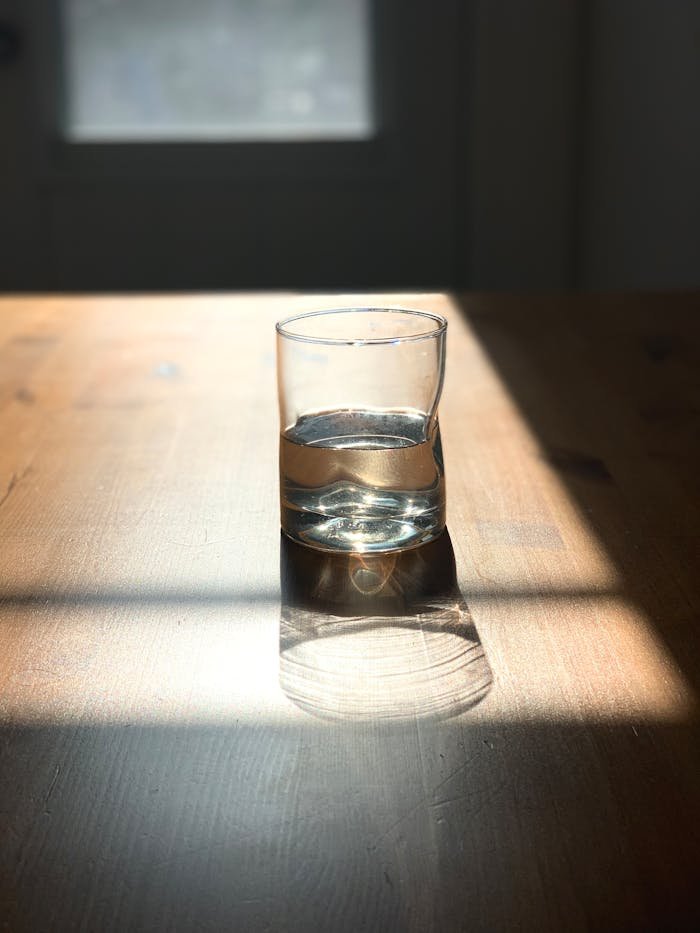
(360, 536)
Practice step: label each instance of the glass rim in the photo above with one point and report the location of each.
(438, 319)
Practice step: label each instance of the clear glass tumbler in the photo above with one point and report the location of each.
(360, 456)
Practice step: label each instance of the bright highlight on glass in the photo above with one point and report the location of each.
(361, 464)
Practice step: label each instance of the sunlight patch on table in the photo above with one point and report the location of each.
(206, 667)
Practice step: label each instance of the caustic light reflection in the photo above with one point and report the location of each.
(378, 637)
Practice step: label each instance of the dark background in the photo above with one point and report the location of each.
(548, 144)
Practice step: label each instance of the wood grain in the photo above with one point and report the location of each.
(157, 770)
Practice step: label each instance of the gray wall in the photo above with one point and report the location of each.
(585, 121)
(641, 206)
(522, 141)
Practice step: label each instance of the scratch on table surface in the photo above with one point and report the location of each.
(453, 774)
(15, 480)
(51, 787)
(10, 486)
(425, 799)
(488, 796)
(397, 822)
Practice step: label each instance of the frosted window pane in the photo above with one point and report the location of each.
(217, 69)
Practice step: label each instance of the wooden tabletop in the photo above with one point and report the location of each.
(203, 728)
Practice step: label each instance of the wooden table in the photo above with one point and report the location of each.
(188, 745)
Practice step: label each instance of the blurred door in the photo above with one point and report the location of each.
(228, 143)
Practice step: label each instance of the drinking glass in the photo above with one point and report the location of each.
(361, 465)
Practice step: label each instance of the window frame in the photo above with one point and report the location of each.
(63, 159)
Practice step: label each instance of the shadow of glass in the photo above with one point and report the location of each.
(381, 637)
